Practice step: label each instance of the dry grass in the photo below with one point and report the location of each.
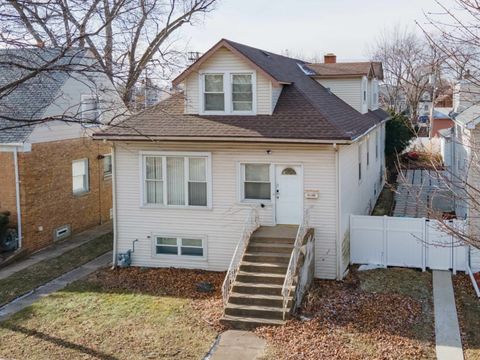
(121, 314)
(379, 314)
(32, 277)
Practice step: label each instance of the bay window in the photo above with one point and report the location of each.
(256, 184)
(176, 180)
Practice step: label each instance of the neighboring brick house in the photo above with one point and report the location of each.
(54, 179)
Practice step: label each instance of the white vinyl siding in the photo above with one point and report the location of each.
(276, 92)
(225, 61)
(349, 90)
(357, 197)
(223, 222)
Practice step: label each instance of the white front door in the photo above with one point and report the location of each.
(288, 192)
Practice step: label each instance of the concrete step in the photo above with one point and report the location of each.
(269, 247)
(263, 312)
(259, 289)
(248, 323)
(271, 240)
(267, 268)
(260, 278)
(268, 257)
(258, 300)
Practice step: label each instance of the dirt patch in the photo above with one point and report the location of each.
(357, 319)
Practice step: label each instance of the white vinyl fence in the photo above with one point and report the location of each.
(405, 242)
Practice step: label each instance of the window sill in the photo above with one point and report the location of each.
(81, 194)
(255, 201)
(179, 257)
(175, 207)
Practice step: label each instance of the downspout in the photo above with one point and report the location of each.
(17, 197)
(114, 205)
(337, 209)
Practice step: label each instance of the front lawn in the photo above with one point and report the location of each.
(376, 314)
(120, 314)
(32, 277)
(468, 309)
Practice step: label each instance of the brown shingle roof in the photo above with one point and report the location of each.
(305, 110)
(346, 69)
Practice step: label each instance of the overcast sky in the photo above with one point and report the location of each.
(306, 27)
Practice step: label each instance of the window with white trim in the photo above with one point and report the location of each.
(107, 165)
(256, 183)
(228, 92)
(213, 92)
(171, 180)
(179, 246)
(242, 92)
(80, 176)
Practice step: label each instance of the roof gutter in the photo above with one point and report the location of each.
(370, 129)
(219, 139)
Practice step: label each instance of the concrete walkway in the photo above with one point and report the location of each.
(237, 345)
(57, 284)
(56, 249)
(447, 331)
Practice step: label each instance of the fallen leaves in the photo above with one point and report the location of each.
(350, 323)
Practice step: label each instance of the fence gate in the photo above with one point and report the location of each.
(405, 242)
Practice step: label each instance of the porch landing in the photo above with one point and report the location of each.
(277, 231)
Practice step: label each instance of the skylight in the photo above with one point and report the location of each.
(306, 70)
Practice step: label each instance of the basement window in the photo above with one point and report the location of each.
(180, 246)
(61, 233)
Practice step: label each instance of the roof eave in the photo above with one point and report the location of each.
(116, 137)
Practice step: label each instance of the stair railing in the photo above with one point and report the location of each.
(250, 225)
(292, 264)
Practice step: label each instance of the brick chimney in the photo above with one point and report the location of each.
(330, 58)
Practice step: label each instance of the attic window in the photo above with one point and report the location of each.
(306, 70)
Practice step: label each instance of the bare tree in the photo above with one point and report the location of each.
(453, 32)
(125, 37)
(409, 63)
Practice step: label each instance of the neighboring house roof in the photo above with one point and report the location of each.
(28, 101)
(305, 110)
(348, 69)
(470, 115)
(441, 113)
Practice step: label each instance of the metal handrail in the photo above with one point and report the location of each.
(250, 225)
(292, 264)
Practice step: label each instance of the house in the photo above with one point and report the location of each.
(440, 120)
(54, 179)
(460, 156)
(252, 135)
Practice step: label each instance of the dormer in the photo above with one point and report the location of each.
(226, 82)
(356, 83)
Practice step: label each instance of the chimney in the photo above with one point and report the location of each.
(330, 58)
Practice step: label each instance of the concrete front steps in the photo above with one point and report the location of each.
(256, 298)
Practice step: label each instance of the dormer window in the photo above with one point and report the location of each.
(242, 93)
(214, 95)
(228, 93)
